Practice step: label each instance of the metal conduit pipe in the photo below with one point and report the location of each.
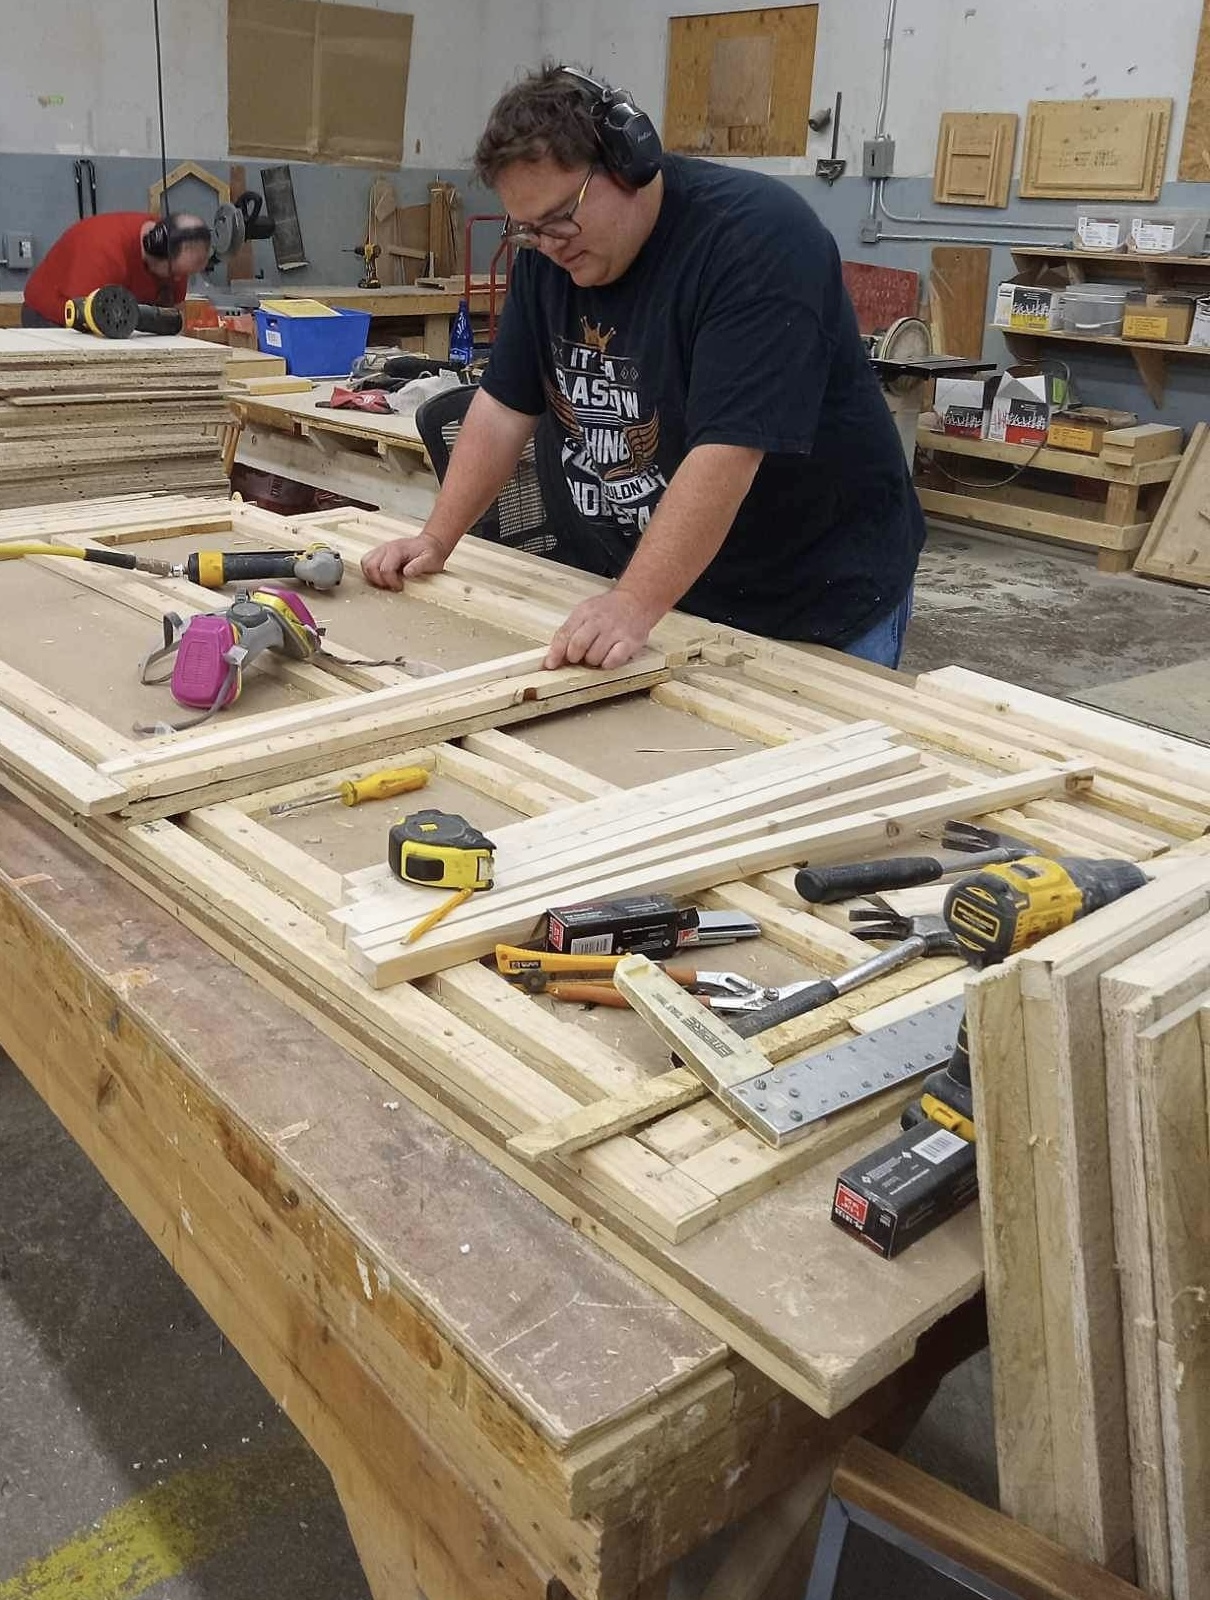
(878, 205)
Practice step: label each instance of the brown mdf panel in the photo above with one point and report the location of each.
(958, 285)
(1195, 146)
(320, 82)
(270, 77)
(362, 84)
(975, 152)
(739, 83)
(1095, 149)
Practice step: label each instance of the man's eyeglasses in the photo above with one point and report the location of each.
(529, 235)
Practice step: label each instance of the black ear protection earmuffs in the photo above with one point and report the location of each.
(164, 238)
(630, 147)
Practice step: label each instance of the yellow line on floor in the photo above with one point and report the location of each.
(175, 1526)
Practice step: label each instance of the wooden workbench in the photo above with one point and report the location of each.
(499, 1404)
(734, 1233)
(402, 309)
(406, 310)
(378, 460)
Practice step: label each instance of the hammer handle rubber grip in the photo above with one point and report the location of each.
(826, 886)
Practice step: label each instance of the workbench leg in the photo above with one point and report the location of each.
(1122, 504)
(404, 1557)
(437, 337)
(383, 1536)
(1114, 560)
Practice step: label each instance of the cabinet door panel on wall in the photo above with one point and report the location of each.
(975, 152)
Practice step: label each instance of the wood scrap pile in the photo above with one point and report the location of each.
(1090, 1056)
(82, 417)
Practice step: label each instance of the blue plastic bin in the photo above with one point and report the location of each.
(315, 347)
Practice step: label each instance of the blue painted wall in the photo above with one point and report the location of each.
(38, 196)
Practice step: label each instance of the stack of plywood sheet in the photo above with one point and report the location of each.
(1090, 1055)
(82, 417)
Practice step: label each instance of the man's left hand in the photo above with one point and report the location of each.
(607, 631)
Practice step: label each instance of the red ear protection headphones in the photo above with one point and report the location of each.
(630, 147)
(164, 238)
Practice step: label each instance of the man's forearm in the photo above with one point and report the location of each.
(488, 447)
(687, 531)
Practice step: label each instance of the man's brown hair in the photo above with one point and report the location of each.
(545, 114)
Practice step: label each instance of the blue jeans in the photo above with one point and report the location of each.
(884, 642)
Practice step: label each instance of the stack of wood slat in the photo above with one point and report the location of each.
(82, 417)
(1090, 1055)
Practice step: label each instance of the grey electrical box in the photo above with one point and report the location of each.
(878, 158)
(18, 251)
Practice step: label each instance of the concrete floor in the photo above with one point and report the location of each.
(113, 1381)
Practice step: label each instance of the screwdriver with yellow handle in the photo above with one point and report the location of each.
(378, 786)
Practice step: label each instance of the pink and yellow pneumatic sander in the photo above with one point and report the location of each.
(211, 652)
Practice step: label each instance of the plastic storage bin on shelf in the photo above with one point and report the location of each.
(1167, 231)
(315, 347)
(1094, 309)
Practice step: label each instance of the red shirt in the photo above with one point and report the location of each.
(100, 250)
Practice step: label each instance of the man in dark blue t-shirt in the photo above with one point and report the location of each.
(683, 330)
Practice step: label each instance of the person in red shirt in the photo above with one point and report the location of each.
(153, 257)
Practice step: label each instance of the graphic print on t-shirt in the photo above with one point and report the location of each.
(609, 446)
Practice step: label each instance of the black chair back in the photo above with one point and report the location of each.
(518, 518)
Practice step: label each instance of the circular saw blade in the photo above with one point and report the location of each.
(228, 230)
(907, 339)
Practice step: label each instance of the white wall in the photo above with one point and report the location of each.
(950, 55)
(77, 77)
(93, 64)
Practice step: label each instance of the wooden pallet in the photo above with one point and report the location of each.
(1103, 503)
(650, 1168)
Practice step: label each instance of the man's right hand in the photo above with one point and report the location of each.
(387, 565)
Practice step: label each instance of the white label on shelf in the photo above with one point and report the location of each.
(1096, 235)
(1157, 236)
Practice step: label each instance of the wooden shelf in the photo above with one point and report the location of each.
(1108, 257)
(1102, 507)
(1072, 463)
(1150, 357)
(1091, 266)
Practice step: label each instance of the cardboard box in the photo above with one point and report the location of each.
(1199, 333)
(1022, 407)
(1028, 308)
(1158, 318)
(962, 405)
(1083, 428)
(647, 925)
(898, 1193)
